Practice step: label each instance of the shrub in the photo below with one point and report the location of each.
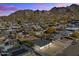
(27, 42)
(75, 35)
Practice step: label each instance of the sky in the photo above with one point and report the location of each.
(8, 8)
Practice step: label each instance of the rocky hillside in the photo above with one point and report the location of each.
(56, 14)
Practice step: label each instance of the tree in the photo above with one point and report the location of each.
(50, 30)
(75, 35)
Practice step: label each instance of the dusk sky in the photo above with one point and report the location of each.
(8, 8)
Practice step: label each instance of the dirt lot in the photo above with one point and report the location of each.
(72, 50)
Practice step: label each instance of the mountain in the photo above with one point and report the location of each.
(57, 13)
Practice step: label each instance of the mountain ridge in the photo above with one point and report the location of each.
(58, 13)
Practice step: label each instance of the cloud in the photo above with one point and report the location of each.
(7, 8)
(62, 4)
(77, 3)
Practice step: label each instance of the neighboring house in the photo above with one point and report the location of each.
(73, 26)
